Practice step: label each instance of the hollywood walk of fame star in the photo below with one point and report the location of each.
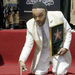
(57, 35)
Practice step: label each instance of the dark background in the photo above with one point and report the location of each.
(25, 11)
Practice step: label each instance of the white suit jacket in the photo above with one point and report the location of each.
(54, 17)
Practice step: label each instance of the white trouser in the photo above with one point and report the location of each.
(60, 66)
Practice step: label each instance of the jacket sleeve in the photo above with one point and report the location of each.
(67, 34)
(27, 47)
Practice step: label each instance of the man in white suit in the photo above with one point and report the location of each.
(41, 21)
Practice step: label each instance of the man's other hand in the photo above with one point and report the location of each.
(22, 66)
(62, 51)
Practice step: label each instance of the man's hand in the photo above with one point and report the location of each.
(22, 66)
(62, 51)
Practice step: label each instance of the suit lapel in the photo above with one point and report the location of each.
(36, 35)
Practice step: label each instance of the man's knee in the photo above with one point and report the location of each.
(38, 72)
(61, 72)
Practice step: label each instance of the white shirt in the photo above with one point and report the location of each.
(45, 54)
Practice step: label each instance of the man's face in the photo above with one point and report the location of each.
(39, 15)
